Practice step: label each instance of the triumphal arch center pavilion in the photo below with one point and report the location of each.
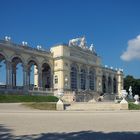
(72, 67)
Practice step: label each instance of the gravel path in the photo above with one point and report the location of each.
(18, 122)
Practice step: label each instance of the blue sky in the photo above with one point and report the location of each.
(108, 24)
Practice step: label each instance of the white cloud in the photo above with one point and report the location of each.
(133, 50)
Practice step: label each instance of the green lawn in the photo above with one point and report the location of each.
(26, 98)
(41, 105)
(133, 106)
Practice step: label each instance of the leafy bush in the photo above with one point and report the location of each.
(133, 106)
(26, 98)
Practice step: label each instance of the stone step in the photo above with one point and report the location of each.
(93, 106)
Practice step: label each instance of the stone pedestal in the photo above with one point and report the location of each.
(59, 105)
(124, 105)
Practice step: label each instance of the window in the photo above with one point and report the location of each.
(91, 79)
(73, 77)
(114, 85)
(109, 84)
(104, 83)
(83, 79)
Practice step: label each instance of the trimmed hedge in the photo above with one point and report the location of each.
(133, 106)
(26, 98)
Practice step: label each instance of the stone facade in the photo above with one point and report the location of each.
(68, 68)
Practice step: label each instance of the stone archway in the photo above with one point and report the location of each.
(109, 84)
(46, 76)
(114, 85)
(17, 72)
(83, 80)
(104, 83)
(2, 70)
(74, 76)
(92, 79)
(32, 74)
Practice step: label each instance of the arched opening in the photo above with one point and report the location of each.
(33, 74)
(92, 79)
(46, 76)
(109, 84)
(73, 77)
(17, 72)
(83, 79)
(2, 71)
(114, 85)
(104, 84)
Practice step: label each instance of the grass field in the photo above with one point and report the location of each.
(133, 106)
(41, 105)
(26, 98)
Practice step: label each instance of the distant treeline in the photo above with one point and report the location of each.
(131, 81)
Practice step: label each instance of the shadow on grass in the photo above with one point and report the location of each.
(6, 134)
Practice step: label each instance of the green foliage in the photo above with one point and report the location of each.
(131, 81)
(26, 98)
(42, 105)
(133, 106)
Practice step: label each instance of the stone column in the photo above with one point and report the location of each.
(8, 74)
(87, 79)
(39, 77)
(119, 82)
(116, 85)
(95, 82)
(79, 77)
(14, 75)
(35, 76)
(106, 83)
(78, 80)
(25, 77)
(87, 82)
(112, 83)
(109, 84)
(99, 84)
(52, 79)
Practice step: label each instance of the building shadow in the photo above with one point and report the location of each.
(6, 134)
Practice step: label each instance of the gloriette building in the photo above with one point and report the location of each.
(73, 68)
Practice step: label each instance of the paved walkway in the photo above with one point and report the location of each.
(18, 122)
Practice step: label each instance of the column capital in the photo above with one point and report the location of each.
(8, 64)
(25, 67)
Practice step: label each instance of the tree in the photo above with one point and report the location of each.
(131, 81)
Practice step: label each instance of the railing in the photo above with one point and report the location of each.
(2, 86)
(41, 89)
(26, 47)
(26, 89)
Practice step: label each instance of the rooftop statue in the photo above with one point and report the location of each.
(83, 42)
(74, 42)
(7, 38)
(92, 48)
(80, 42)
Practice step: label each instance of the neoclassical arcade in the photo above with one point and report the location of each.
(40, 61)
(68, 67)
